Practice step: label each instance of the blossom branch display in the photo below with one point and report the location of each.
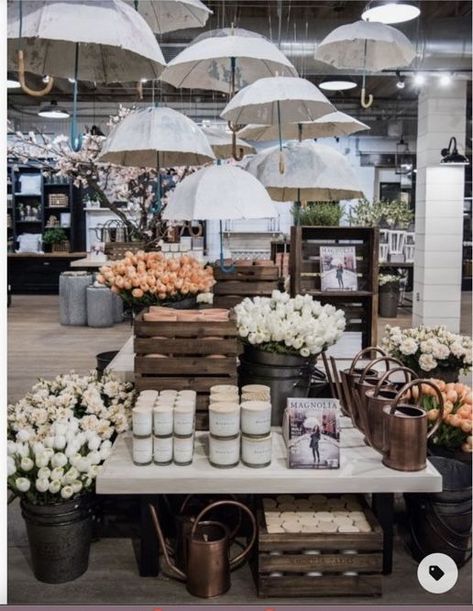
(394, 214)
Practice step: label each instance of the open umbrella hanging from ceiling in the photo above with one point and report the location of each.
(171, 15)
(219, 192)
(67, 39)
(221, 143)
(314, 172)
(277, 100)
(226, 60)
(367, 46)
(332, 125)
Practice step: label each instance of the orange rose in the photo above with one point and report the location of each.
(452, 396)
(432, 414)
(138, 293)
(454, 420)
(466, 426)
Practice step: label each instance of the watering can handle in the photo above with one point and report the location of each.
(388, 373)
(167, 560)
(234, 532)
(242, 555)
(381, 359)
(419, 384)
(365, 351)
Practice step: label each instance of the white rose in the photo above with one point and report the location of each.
(76, 486)
(105, 453)
(38, 448)
(22, 449)
(44, 473)
(11, 466)
(26, 464)
(67, 492)
(440, 351)
(42, 460)
(11, 447)
(457, 350)
(305, 352)
(82, 464)
(408, 346)
(42, 485)
(22, 484)
(94, 458)
(23, 435)
(55, 486)
(427, 362)
(71, 475)
(59, 460)
(59, 442)
(57, 473)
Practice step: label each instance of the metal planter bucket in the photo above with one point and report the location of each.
(388, 300)
(287, 376)
(59, 536)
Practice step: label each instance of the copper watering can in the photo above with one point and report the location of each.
(405, 430)
(377, 398)
(367, 380)
(208, 553)
(348, 378)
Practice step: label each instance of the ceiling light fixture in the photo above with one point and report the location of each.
(13, 84)
(445, 80)
(53, 111)
(390, 12)
(451, 155)
(419, 79)
(401, 80)
(338, 85)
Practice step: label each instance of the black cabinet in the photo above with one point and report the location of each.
(37, 274)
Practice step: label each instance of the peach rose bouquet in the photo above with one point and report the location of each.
(148, 278)
(455, 431)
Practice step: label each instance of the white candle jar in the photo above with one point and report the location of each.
(162, 450)
(168, 393)
(183, 450)
(189, 395)
(224, 419)
(142, 450)
(224, 388)
(163, 418)
(142, 421)
(224, 453)
(256, 452)
(255, 392)
(148, 395)
(184, 421)
(256, 418)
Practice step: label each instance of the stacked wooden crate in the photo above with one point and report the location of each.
(248, 279)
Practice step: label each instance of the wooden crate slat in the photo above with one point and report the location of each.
(248, 273)
(227, 301)
(184, 365)
(199, 384)
(297, 586)
(184, 329)
(332, 563)
(235, 287)
(184, 346)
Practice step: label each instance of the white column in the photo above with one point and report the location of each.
(439, 207)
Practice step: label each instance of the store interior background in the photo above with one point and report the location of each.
(408, 121)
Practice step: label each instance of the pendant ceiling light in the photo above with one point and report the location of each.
(390, 12)
(53, 111)
(338, 85)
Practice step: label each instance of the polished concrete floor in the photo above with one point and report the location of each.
(40, 347)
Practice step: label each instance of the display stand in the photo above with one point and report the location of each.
(245, 281)
(361, 305)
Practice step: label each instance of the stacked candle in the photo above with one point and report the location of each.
(142, 425)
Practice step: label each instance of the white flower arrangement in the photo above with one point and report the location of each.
(387, 279)
(427, 348)
(288, 325)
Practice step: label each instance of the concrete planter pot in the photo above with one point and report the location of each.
(388, 300)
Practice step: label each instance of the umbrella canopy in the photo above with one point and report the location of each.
(156, 138)
(314, 172)
(58, 35)
(277, 99)
(332, 125)
(219, 193)
(366, 45)
(221, 143)
(171, 15)
(207, 62)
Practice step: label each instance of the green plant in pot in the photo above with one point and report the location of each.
(394, 214)
(389, 289)
(58, 436)
(322, 214)
(53, 237)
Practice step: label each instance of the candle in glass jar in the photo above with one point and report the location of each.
(189, 395)
(224, 419)
(162, 450)
(142, 421)
(256, 418)
(142, 450)
(184, 420)
(183, 450)
(148, 395)
(256, 452)
(255, 392)
(224, 452)
(169, 393)
(163, 418)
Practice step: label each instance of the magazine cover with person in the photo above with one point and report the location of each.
(338, 268)
(313, 433)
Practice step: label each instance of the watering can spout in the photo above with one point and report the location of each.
(177, 573)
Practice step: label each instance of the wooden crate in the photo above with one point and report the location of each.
(284, 553)
(360, 306)
(246, 281)
(117, 250)
(185, 355)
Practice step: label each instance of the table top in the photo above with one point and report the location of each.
(361, 471)
(123, 365)
(88, 262)
(46, 255)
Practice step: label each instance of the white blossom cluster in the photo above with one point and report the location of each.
(426, 348)
(292, 326)
(64, 464)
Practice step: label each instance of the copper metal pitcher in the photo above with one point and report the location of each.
(377, 398)
(208, 553)
(406, 430)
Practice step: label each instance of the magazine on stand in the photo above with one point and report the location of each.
(338, 268)
(312, 433)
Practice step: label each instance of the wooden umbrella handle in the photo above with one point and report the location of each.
(21, 77)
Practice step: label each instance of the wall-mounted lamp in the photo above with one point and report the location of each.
(451, 155)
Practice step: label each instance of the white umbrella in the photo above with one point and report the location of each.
(218, 57)
(367, 46)
(334, 124)
(219, 192)
(221, 143)
(277, 100)
(171, 15)
(156, 137)
(314, 172)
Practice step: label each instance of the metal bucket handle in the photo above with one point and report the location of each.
(381, 359)
(419, 383)
(387, 375)
(234, 532)
(361, 353)
(242, 555)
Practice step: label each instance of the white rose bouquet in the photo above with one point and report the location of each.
(425, 349)
(298, 326)
(61, 467)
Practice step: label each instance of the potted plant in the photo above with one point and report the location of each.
(394, 214)
(322, 214)
(388, 295)
(282, 337)
(58, 436)
(432, 352)
(145, 279)
(55, 239)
